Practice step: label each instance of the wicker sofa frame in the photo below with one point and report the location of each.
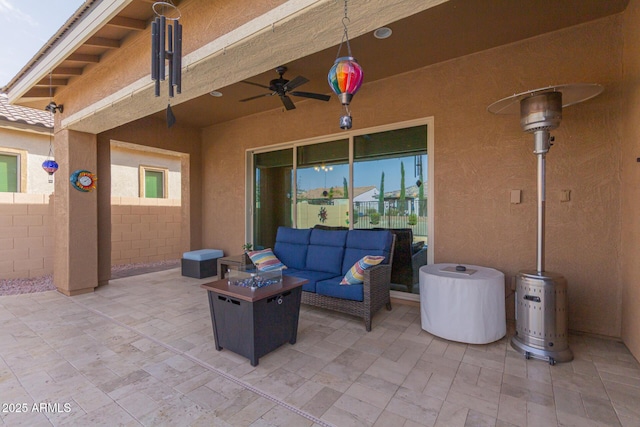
(376, 294)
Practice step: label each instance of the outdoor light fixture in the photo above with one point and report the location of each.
(345, 77)
(52, 107)
(166, 36)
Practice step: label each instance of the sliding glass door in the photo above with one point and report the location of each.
(272, 198)
(322, 173)
(376, 178)
(390, 189)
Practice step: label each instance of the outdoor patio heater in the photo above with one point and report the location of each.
(541, 296)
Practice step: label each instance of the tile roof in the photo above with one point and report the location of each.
(24, 115)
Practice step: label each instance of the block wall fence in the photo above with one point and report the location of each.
(142, 230)
(145, 230)
(26, 235)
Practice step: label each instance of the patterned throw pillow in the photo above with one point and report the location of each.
(265, 260)
(356, 274)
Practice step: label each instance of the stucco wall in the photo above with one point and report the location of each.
(145, 230)
(36, 144)
(479, 158)
(185, 142)
(26, 235)
(125, 171)
(212, 19)
(630, 245)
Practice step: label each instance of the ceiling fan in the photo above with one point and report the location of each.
(283, 87)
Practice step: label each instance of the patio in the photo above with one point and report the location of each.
(140, 351)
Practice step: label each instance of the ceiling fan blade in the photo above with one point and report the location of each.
(317, 96)
(257, 96)
(288, 103)
(255, 84)
(297, 81)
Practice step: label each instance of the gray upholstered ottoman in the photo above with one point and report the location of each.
(201, 263)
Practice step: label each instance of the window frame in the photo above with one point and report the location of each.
(142, 181)
(21, 163)
(429, 122)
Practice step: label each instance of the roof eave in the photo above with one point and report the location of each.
(85, 22)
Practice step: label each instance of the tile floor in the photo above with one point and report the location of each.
(140, 351)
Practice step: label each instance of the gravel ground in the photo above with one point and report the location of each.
(45, 283)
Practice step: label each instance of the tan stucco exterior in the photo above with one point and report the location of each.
(592, 239)
(630, 174)
(33, 149)
(479, 158)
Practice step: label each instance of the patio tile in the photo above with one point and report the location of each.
(512, 410)
(419, 408)
(569, 402)
(141, 352)
(478, 419)
(29, 419)
(280, 417)
(108, 415)
(137, 404)
(478, 404)
(360, 409)
(452, 415)
(89, 398)
(387, 418)
(321, 401)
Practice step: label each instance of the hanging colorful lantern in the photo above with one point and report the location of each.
(50, 167)
(345, 78)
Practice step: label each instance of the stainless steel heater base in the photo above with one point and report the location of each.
(550, 356)
(541, 317)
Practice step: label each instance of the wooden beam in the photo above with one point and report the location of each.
(129, 23)
(81, 57)
(67, 71)
(38, 92)
(103, 42)
(54, 82)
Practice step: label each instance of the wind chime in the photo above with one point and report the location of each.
(50, 166)
(166, 46)
(345, 77)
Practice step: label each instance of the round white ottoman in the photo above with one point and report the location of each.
(466, 306)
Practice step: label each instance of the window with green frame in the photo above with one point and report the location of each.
(153, 184)
(8, 173)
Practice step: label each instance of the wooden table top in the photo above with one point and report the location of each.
(244, 293)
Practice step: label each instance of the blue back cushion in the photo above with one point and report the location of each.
(326, 250)
(291, 246)
(366, 242)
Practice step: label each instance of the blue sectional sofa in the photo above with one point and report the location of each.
(323, 257)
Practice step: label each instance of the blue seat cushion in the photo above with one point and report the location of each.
(326, 250)
(332, 288)
(312, 276)
(203, 254)
(291, 246)
(366, 242)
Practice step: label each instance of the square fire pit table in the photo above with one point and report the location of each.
(253, 323)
